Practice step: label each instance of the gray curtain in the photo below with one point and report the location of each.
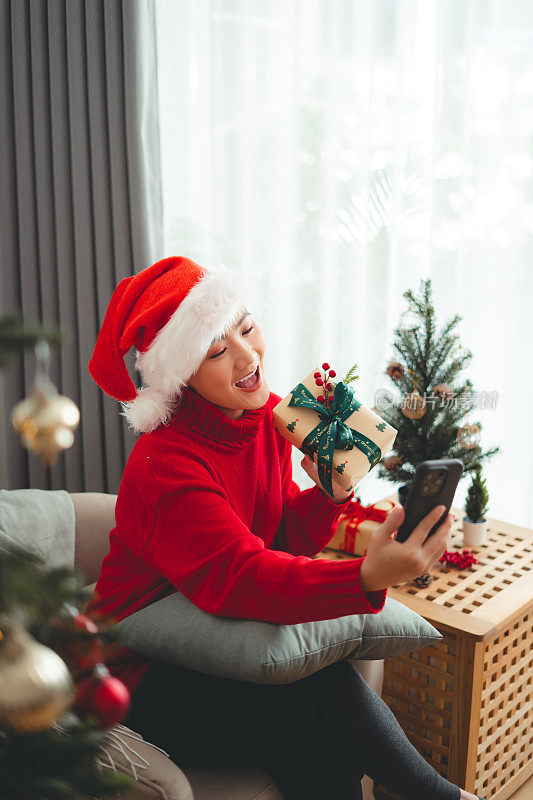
(81, 207)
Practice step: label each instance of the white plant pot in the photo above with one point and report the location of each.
(474, 532)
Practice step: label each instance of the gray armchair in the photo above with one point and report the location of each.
(65, 528)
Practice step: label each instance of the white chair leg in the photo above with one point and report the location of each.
(372, 672)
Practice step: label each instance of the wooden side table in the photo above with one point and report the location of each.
(466, 703)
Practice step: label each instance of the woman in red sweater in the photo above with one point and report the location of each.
(207, 505)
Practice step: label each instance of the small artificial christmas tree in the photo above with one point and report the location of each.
(430, 416)
(477, 498)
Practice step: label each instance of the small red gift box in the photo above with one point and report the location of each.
(357, 525)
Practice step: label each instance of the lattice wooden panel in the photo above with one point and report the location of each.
(503, 558)
(419, 688)
(506, 722)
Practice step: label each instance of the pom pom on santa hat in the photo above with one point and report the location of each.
(170, 313)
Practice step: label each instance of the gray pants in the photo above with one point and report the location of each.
(316, 737)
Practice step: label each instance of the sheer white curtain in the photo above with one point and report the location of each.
(338, 151)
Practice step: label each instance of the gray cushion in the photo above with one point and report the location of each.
(176, 631)
(40, 520)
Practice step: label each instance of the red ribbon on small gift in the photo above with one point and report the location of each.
(358, 513)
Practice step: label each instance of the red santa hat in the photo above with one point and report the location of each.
(171, 313)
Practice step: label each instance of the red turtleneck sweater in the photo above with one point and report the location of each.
(207, 505)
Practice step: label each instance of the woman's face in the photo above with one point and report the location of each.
(229, 360)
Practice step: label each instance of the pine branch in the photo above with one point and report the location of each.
(447, 342)
(405, 345)
(56, 763)
(449, 371)
(27, 583)
(350, 375)
(15, 336)
(396, 475)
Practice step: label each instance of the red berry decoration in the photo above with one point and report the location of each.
(81, 654)
(323, 381)
(102, 696)
(454, 558)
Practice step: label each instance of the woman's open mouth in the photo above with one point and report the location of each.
(252, 383)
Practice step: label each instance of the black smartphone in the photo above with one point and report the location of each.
(434, 484)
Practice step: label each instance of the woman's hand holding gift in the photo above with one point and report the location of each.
(340, 494)
(388, 562)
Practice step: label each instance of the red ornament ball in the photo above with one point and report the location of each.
(102, 696)
(321, 398)
(325, 365)
(319, 382)
(316, 375)
(332, 373)
(329, 386)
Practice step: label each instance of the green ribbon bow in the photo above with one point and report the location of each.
(332, 433)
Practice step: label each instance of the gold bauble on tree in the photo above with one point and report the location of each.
(36, 687)
(395, 370)
(469, 436)
(443, 391)
(414, 405)
(392, 462)
(45, 420)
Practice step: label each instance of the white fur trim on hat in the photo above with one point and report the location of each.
(206, 313)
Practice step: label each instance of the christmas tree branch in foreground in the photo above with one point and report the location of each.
(58, 760)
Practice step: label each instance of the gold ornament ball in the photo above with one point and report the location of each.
(395, 370)
(414, 405)
(442, 390)
(391, 462)
(36, 687)
(45, 421)
(469, 436)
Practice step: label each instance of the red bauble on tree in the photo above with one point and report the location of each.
(103, 697)
(82, 654)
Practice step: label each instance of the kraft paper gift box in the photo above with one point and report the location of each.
(348, 438)
(356, 527)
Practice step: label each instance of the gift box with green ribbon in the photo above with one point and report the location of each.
(346, 436)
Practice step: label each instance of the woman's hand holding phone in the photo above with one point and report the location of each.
(389, 562)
